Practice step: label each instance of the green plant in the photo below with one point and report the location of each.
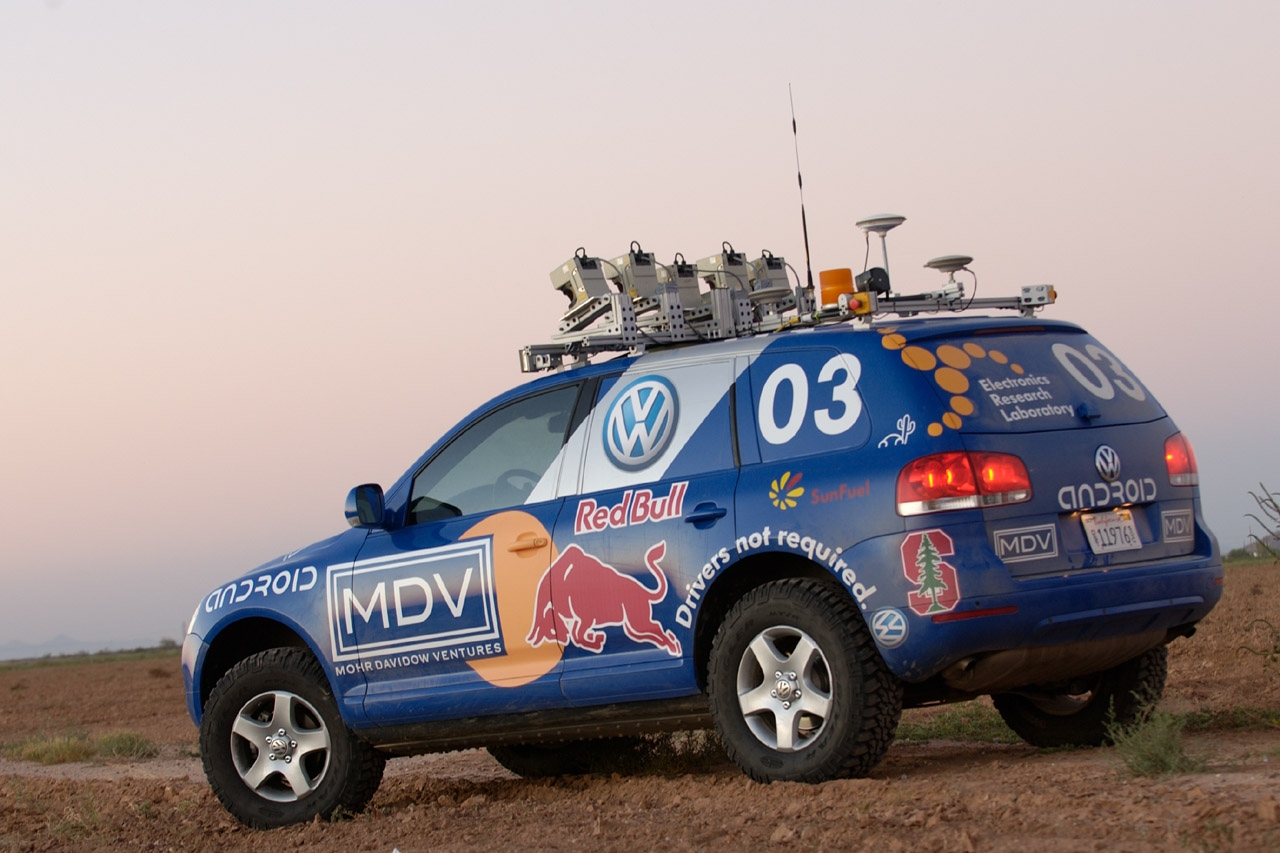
(970, 721)
(1232, 720)
(1153, 748)
(125, 745)
(77, 746)
(53, 749)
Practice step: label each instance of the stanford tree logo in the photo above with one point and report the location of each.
(937, 582)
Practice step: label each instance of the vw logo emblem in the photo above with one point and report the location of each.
(1108, 463)
(889, 627)
(640, 422)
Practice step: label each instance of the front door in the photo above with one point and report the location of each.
(438, 611)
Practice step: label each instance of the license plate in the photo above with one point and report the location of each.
(1109, 532)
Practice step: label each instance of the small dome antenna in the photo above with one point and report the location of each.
(882, 225)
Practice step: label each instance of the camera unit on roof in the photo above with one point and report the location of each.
(634, 303)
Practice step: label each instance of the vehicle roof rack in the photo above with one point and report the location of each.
(633, 303)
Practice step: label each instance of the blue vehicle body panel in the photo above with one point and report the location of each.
(680, 467)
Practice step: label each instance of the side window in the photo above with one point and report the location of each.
(496, 461)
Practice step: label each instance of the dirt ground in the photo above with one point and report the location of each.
(934, 796)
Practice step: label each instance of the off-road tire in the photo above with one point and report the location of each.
(1118, 698)
(261, 695)
(853, 702)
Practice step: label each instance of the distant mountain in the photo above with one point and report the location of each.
(64, 645)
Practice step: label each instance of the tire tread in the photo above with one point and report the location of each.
(365, 763)
(881, 693)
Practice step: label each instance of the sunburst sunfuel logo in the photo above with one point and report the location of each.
(784, 490)
(640, 422)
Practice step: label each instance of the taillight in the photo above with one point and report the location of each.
(959, 480)
(1180, 460)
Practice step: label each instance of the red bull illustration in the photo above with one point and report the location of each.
(588, 594)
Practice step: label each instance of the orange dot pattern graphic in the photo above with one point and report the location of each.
(947, 363)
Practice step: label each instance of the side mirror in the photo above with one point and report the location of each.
(365, 506)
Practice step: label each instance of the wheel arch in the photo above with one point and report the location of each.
(735, 582)
(240, 639)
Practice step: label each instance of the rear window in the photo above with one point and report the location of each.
(1025, 381)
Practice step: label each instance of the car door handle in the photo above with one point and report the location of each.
(528, 543)
(706, 512)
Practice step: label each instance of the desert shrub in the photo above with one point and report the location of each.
(1154, 747)
(125, 745)
(53, 749)
(77, 746)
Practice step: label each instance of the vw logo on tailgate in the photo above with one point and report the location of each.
(640, 423)
(1108, 463)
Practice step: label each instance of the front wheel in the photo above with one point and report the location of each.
(1086, 714)
(275, 748)
(797, 689)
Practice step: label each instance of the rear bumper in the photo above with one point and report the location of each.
(1087, 619)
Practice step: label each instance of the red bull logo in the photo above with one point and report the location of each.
(634, 508)
(586, 594)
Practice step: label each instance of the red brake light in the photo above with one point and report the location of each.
(1000, 472)
(959, 480)
(1180, 460)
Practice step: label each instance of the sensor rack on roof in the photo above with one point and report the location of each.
(633, 303)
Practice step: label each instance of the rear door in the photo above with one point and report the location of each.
(652, 521)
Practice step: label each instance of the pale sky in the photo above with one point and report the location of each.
(255, 253)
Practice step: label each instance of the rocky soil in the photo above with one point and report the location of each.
(937, 795)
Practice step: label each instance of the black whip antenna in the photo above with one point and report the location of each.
(804, 224)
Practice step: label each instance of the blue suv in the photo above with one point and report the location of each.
(779, 513)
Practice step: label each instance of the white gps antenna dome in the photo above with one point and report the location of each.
(882, 225)
(950, 264)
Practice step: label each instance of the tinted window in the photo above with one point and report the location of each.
(497, 460)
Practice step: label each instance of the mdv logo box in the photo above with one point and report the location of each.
(1027, 543)
(420, 600)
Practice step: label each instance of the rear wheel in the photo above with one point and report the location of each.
(275, 748)
(1084, 714)
(797, 689)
